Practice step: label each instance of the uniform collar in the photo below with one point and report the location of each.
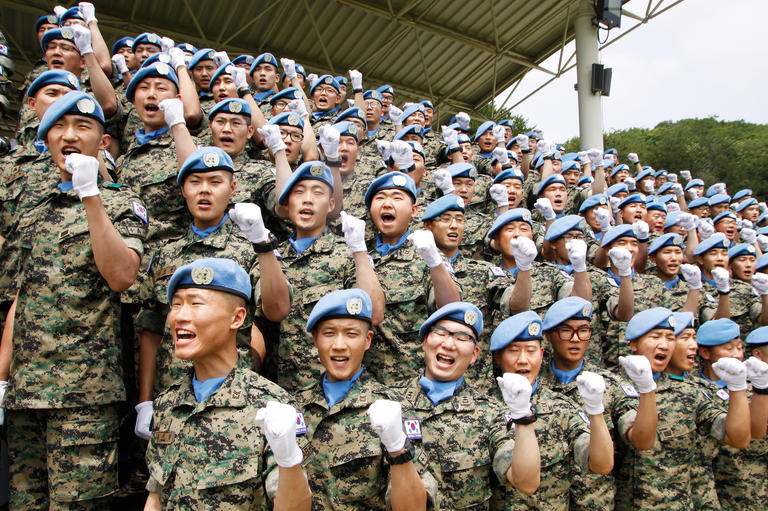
(218, 238)
(438, 391)
(338, 390)
(385, 248)
(204, 233)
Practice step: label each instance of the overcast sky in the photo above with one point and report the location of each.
(700, 58)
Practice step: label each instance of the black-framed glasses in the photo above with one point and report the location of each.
(293, 136)
(443, 333)
(565, 333)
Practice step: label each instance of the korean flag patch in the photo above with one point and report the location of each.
(723, 394)
(630, 390)
(140, 211)
(301, 426)
(412, 428)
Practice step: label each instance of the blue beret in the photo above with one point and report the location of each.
(511, 142)
(147, 38)
(205, 159)
(666, 186)
(201, 55)
(412, 109)
(351, 113)
(158, 70)
(757, 336)
(711, 191)
(698, 202)
(571, 165)
(585, 180)
(550, 180)
(660, 173)
(417, 148)
(373, 94)
(665, 199)
(315, 170)
(611, 151)
(461, 312)
(655, 205)
(289, 94)
(514, 173)
(462, 169)
(717, 332)
(386, 88)
(287, 119)
(665, 240)
(742, 193)
(724, 216)
(620, 231)
(486, 126)
(243, 59)
(717, 240)
(631, 199)
(215, 273)
(72, 103)
(299, 71)
(511, 215)
(619, 168)
(573, 307)
(762, 262)
(224, 69)
(595, 200)
(741, 249)
(672, 218)
(415, 129)
(54, 76)
(564, 224)
(530, 134)
(648, 167)
(762, 217)
(510, 154)
(520, 327)
(694, 182)
(763, 231)
(647, 320)
(643, 174)
(230, 106)
(462, 138)
(572, 157)
(188, 48)
(683, 320)
(156, 57)
(449, 202)
(348, 129)
(48, 19)
(73, 13)
(745, 204)
(428, 104)
(123, 42)
(264, 58)
(57, 33)
(325, 80)
(608, 163)
(345, 303)
(342, 80)
(617, 188)
(389, 181)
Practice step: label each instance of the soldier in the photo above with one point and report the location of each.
(81, 247)
(206, 450)
(666, 253)
(47, 88)
(145, 45)
(718, 204)
(42, 25)
(202, 67)
(348, 416)
(124, 60)
(263, 73)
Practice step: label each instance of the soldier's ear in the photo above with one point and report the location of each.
(633, 345)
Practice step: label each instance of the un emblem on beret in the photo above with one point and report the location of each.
(603, 201)
(72, 79)
(202, 276)
(52, 19)
(327, 80)
(316, 170)
(354, 306)
(582, 224)
(235, 107)
(586, 310)
(152, 38)
(398, 180)
(129, 43)
(751, 249)
(210, 159)
(162, 68)
(229, 69)
(534, 328)
(67, 33)
(470, 317)
(293, 120)
(672, 321)
(677, 240)
(635, 229)
(249, 59)
(211, 54)
(459, 202)
(164, 57)
(527, 216)
(267, 58)
(86, 106)
(352, 129)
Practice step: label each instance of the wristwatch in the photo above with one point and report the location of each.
(403, 457)
(267, 246)
(524, 421)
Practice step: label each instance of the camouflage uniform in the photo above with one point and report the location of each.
(432, 146)
(576, 197)
(679, 294)
(368, 158)
(483, 165)
(530, 185)
(343, 456)
(40, 67)
(65, 372)
(213, 455)
(386, 130)
(206, 102)
(255, 182)
(745, 304)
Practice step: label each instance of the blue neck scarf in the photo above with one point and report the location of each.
(320, 115)
(720, 383)
(598, 235)
(65, 186)
(535, 386)
(453, 259)
(40, 146)
(385, 248)
(335, 391)
(616, 278)
(486, 155)
(438, 391)
(672, 283)
(261, 96)
(708, 281)
(656, 376)
(372, 133)
(567, 268)
(301, 244)
(204, 233)
(566, 377)
(512, 271)
(203, 389)
(426, 130)
(678, 378)
(142, 138)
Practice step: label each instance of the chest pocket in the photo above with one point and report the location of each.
(234, 483)
(309, 296)
(357, 470)
(465, 477)
(678, 435)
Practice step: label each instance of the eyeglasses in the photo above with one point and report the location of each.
(326, 89)
(295, 137)
(565, 333)
(62, 46)
(568, 236)
(443, 333)
(448, 219)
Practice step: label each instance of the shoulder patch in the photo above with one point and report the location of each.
(630, 390)
(584, 416)
(301, 425)
(140, 211)
(449, 267)
(710, 298)
(497, 271)
(723, 394)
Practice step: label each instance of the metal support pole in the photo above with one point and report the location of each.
(590, 106)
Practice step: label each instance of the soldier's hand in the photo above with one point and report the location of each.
(633, 158)
(173, 111)
(591, 389)
(748, 236)
(87, 11)
(686, 174)
(3, 385)
(450, 137)
(279, 425)
(516, 391)
(757, 372)
(272, 138)
(722, 280)
(631, 184)
(760, 283)
(603, 217)
(119, 61)
(298, 107)
(615, 201)
(544, 207)
(85, 174)
(733, 372)
(642, 229)
(524, 251)
(499, 195)
(706, 229)
(444, 181)
(677, 188)
(719, 187)
(384, 148)
(577, 253)
(762, 241)
(673, 178)
(545, 148)
(424, 243)
(638, 368)
(143, 420)
(648, 185)
(402, 153)
(289, 68)
(312, 78)
(462, 119)
(329, 141)
(523, 141)
(687, 221)
(672, 206)
(500, 153)
(622, 260)
(221, 58)
(387, 421)
(499, 133)
(356, 79)
(763, 207)
(240, 77)
(538, 134)
(248, 218)
(82, 39)
(354, 232)
(396, 115)
(178, 58)
(693, 194)
(691, 275)
(595, 157)
(59, 10)
(166, 43)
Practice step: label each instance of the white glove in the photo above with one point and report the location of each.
(545, 148)
(387, 421)
(687, 221)
(591, 389)
(642, 229)
(686, 174)
(733, 372)
(166, 43)
(279, 424)
(356, 78)
(450, 136)
(312, 78)
(706, 230)
(298, 107)
(516, 391)
(638, 368)
(396, 115)
(622, 260)
(85, 174)
(187, 59)
(350, 103)
(59, 10)
(82, 39)
(677, 188)
(603, 217)
(673, 179)
(746, 223)
(748, 236)
(87, 11)
(722, 279)
(691, 275)
(3, 385)
(239, 76)
(577, 254)
(221, 58)
(173, 111)
(524, 252)
(760, 283)
(757, 372)
(248, 218)
(289, 68)
(719, 187)
(408, 105)
(272, 138)
(499, 133)
(693, 194)
(538, 134)
(615, 201)
(329, 141)
(672, 206)
(544, 207)
(462, 118)
(178, 58)
(119, 61)
(762, 241)
(595, 157)
(648, 186)
(583, 158)
(499, 195)
(354, 232)
(444, 181)
(523, 142)
(763, 207)
(384, 148)
(424, 243)
(402, 153)
(632, 157)
(143, 420)
(631, 184)
(501, 155)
